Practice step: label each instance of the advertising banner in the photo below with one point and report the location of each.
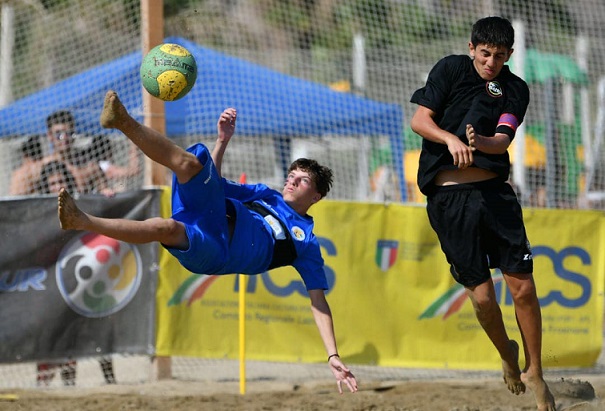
(74, 293)
(393, 300)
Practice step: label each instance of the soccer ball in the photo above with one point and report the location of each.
(168, 71)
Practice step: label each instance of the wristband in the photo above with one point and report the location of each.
(333, 355)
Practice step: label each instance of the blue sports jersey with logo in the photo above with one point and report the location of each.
(201, 205)
(309, 262)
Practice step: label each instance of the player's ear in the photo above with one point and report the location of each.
(471, 49)
(510, 53)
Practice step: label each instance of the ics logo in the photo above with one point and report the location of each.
(97, 275)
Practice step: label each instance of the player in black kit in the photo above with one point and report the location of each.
(467, 114)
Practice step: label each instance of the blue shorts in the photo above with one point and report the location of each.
(200, 205)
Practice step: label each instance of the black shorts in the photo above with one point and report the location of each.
(480, 226)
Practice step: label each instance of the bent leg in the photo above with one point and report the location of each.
(487, 310)
(167, 231)
(529, 319)
(155, 146)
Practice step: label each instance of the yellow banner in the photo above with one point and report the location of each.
(393, 300)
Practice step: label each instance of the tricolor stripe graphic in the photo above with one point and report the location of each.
(386, 253)
(451, 302)
(193, 288)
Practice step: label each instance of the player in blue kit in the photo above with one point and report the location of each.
(468, 113)
(221, 227)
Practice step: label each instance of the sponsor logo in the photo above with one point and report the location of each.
(453, 299)
(97, 275)
(494, 89)
(386, 253)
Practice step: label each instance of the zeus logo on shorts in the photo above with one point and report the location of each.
(527, 257)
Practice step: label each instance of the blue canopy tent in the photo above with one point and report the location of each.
(268, 103)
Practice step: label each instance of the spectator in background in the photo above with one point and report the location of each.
(101, 151)
(60, 132)
(88, 175)
(53, 176)
(25, 176)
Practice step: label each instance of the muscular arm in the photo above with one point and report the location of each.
(323, 320)
(423, 123)
(225, 128)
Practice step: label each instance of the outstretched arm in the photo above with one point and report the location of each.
(323, 319)
(423, 123)
(225, 127)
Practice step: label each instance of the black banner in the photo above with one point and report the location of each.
(74, 293)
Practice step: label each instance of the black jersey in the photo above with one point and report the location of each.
(459, 96)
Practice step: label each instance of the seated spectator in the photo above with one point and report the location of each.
(60, 132)
(53, 176)
(24, 177)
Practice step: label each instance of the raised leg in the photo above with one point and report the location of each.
(152, 143)
(164, 230)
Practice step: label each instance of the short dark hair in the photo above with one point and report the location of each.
(60, 117)
(493, 31)
(321, 175)
(32, 147)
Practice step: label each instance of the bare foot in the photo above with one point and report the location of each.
(70, 216)
(511, 371)
(545, 401)
(114, 113)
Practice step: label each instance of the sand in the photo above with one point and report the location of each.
(449, 395)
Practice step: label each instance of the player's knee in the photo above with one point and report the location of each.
(186, 166)
(485, 305)
(170, 232)
(521, 287)
(525, 293)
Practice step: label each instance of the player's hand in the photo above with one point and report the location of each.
(342, 374)
(226, 124)
(471, 137)
(462, 154)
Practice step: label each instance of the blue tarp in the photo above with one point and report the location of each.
(268, 103)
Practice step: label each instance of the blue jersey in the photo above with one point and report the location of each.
(201, 205)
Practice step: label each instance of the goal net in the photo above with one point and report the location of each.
(349, 66)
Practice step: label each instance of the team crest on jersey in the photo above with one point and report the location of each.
(494, 89)
(298, 233)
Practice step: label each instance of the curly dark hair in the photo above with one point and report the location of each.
(320, 175)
